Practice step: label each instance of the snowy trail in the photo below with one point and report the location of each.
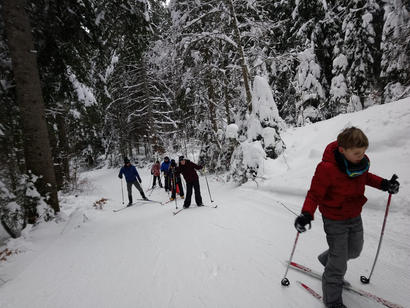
(231, 256)
(144, 256)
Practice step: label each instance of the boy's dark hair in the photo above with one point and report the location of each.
(352, 137)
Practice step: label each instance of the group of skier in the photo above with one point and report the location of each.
(337, 189)
(172, 179)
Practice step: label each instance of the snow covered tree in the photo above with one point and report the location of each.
(310, 76)
(265, 123)
(309, 90)
(339, 97)
(263, 126)
(360, 48)
(396, 51)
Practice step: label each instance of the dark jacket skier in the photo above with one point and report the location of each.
(187, 169)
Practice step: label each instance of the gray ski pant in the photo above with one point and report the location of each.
(129, 187)
(345, 240)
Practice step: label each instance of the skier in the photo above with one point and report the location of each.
(155, 171)
(187, 169)
(176, 182)
(338, 187)
(132, 178)
(164, 168)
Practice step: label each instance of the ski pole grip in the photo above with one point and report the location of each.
(394, 177)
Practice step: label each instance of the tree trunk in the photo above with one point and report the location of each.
(211, 95)
(64, 148)
(245, 71)
(30, 99)
(226, 97)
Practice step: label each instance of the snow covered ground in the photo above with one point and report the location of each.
(231, 256)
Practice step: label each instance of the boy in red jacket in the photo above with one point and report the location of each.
(338, 189)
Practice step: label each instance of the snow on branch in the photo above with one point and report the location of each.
(212, 35)
(194, 21)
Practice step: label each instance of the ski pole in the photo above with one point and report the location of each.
(152, 187)
(206, 179)
(122, 192)
(364, 279)
(174, 187)
(285, 281)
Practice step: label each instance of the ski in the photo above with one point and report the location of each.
(346, 286)
(214, 206)
(211, 206)
(123, 208)
(168, 201)
(310, 290)
(178, 211)
(149, 200)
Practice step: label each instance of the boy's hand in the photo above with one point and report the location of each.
(391, 186)
(302, 220)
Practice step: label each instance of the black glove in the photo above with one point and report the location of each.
(120, 176)
(302, 220)
(391, 186)
(140, 181)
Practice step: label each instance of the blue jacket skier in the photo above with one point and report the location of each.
(132, 178)
(164, 169)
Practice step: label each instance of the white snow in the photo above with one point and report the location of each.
(253, 154)
(232, 131)
(232, 256)
(263, 104)
(84, 93)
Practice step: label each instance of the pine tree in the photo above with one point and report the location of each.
(396, 51)
(360, 48)
(308, 88)
(38, 158)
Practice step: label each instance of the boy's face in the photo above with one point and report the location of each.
(354, 155)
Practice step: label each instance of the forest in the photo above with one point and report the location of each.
(85, 83)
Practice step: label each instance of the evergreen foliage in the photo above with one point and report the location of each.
(140, 78)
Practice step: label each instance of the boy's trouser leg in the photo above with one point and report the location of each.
(154, 182)
(323, 257)
(129, 186)
(159, 181)
(345, 240)
(138, 186)
(198, 198)
(188, 197)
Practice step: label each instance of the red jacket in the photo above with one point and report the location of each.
(155, 169)
(338, 196)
